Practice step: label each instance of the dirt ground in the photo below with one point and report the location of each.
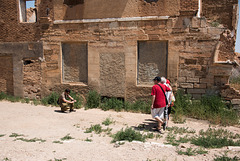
(49, 124)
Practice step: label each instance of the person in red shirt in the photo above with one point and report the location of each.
(158, 101)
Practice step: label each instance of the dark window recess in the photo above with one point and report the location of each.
(27, 62)
(152, 60)
(73, 2)
(150, 1)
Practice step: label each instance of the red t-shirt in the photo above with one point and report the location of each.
(160, 101)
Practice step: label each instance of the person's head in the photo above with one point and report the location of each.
(156, 80)
(67, 91)
(163, 80)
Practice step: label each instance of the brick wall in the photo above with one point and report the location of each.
(220, 11)
(189, 5)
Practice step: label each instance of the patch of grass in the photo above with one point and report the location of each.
(191, 152)
(31, 140)
(138, 106)
(67, 137)
(214, 142)
(58, 159)
(36, 102)
(2, 135)
(94, 128)
(215, 138)
(215, 24)
(112, 103)
(6, 159)
(219, 133)
(171, 139)
(182, 130)
(57, 142)
(15, 135)
(50, 100)
(88, 140)
(226, 158)
(108, 121)
(211, 108)
(78, 98)
(128, 135)
(93, 100)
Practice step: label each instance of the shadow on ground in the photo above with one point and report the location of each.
(148, 124)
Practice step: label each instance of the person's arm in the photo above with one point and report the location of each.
(153, 96)
(153, 100)
(65, 100)
(72, 98)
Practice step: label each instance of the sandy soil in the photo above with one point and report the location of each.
(49, 124)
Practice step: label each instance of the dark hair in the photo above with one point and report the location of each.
(67, 90)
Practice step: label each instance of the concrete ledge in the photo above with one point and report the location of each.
(147, 18)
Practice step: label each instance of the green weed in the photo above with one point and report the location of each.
(78, 98)
(2, 135)
(50, 100)
(67, 137)
(129, 135)
(226, 158)
(182, 130)
(112, 103)
(6, 159)
(211, 108)
(214, 142)
(57, 142)
(94, 128)
(15, 135)
(93, 100)
(191, 152)
(88, 140)
(108, 121)
(30, 140)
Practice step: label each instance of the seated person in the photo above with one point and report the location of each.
(64, 102)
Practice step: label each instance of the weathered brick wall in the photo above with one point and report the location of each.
(191, 45)
(6, 76)
(32, 78)
(189, 5)
(10, 28)
(220, 11)
(114, 9)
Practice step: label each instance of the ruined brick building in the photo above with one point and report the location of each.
(117, 46)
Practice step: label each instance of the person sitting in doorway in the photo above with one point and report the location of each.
(65, 103)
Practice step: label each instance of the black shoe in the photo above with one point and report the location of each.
(159, 131)
(164, 126)
(72, 110)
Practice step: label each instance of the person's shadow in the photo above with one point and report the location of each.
(148, 124)
(59, 111)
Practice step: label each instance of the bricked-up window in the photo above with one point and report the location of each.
(75, 62)
(152, 60)
(27, 11)
(73, 2)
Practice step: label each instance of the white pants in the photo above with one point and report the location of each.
(158, 112)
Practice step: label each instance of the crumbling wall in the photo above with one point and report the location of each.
(115, 9)
(10, 28)
(222, 12)
(32, 78)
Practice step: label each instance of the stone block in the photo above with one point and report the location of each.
(196, 22)
(186, 73)
(215, 31)
(197, 85)
(234, 148)
(186, 85)
(235, 101)
(182, 79)
(196, 91)
(193, 80)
